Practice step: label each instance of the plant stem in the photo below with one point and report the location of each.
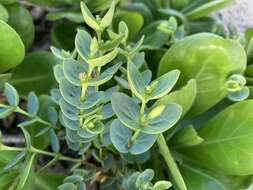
(38, 119)
(135, 136)
(137, 132)
(35, 150)
(172, 166)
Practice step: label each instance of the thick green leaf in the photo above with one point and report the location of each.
(210, 60)
(196, 178)
(184, 97)
(63, 35)
(186, 137)
(227, 141)
(4, 15)
(24, 27)
(133, 20)
(42, 183)
(121, 139)
(72, 16)
(207, 8)
(26, 172)
(37, 68)
(12, 50)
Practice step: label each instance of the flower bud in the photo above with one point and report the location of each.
(157, 111)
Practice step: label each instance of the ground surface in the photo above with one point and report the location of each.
(240, 14)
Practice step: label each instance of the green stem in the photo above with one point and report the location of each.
(35, 150)
(38, 119)
(135, 136)
(137, 132)
(172, 166)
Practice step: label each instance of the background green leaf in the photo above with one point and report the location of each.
(37, 68)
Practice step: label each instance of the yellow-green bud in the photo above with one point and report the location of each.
(157, 111)
(83, 77)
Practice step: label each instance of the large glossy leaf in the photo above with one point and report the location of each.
(133, 20)
(121, 139)
(12, 49)
(227, 141)
(210, 60)
(186, 137)
(4, 78)
(63, 35)
(24, 27)
(70, 15)
(184, 97)
(4, 15)
(207, 8)
(37, 68)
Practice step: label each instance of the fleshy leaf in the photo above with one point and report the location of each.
(121, 139)
(54, 141)
(32, 104)
(89, 18)
(136, 82)
(72, 70)
(70, 93)
(105, 76)
(11, 95)
(127, 110)
(82, 43)
(163, 85)
(103, 60)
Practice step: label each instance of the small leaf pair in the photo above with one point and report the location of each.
(121, 139)
(156, 89)
(83, 44)
(128, 112)
(97, 24)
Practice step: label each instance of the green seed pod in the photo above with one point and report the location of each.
(208, 58)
